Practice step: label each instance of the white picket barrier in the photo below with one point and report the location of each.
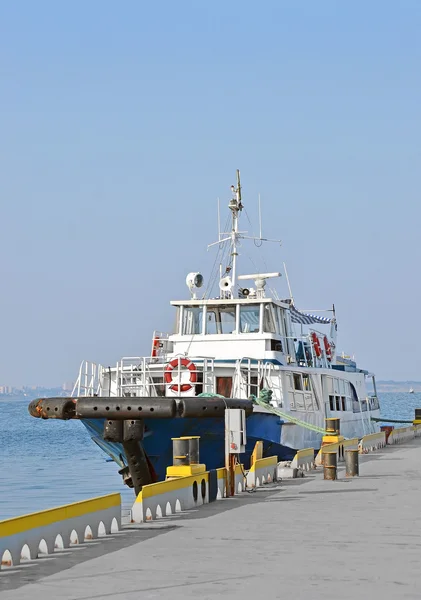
(28, 536)
(240, 479)
(221, 475)
(371, 442)
(304, 460)
(165, 498)
(171, 496)
(263, 470)
(417, 430)
(401, 434)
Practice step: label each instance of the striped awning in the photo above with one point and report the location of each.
(306, 319)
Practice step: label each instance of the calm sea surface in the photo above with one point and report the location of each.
(49, 463)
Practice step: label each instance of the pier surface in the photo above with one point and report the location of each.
(301, 539)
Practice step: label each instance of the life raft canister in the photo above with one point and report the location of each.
(328, 349)
(316, 345)
(188, 364)
(155, 347)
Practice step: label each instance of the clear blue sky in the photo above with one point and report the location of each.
(121, 122)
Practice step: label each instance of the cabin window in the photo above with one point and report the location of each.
(192, 320)
(332, 402)
(280, 320)
(176, 327)
(220, 319)
(249, 318)
(268, 319)
(306, 382)
(298, 385)
(276, 346)
(354, 398)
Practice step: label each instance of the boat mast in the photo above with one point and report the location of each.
(235, 206)
(228, 280)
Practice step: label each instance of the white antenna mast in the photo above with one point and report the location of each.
(235, 206)
(289, 286)
(228, 284)
(219, 222)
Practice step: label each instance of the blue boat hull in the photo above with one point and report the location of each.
(158, 445)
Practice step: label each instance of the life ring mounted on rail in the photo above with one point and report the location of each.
(328, 349)
(186, 363)
(316, 344)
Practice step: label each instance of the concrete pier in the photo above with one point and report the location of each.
(303, 539)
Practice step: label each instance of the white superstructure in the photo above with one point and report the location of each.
(245, 341)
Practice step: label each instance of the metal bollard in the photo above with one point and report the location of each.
(351, 463)
(185, 451)
(330, 466)
(180, 452)
(332, 426)
(194, 449)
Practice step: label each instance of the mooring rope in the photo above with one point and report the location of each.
(280, 413)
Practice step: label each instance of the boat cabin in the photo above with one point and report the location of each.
(257, 328)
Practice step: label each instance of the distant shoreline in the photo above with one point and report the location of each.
(398, 386)
(397, 391)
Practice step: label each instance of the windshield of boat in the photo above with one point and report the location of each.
(220, 319)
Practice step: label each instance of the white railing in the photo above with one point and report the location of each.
(161, 346)
(142, 376)
(88, 382)
(313, 360)
(264, 373)
(271, 377)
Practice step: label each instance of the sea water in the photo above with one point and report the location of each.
(47, 463)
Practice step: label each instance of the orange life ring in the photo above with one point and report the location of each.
(155, 347)
(328, 349)
(188, 364)
(316, 345)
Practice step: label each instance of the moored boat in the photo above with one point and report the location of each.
(243, 343)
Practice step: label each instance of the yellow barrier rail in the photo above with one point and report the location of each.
(304, 459)
(61, 513)
(41, 532)
(263, 470)
(401, 434)
(372, 441)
